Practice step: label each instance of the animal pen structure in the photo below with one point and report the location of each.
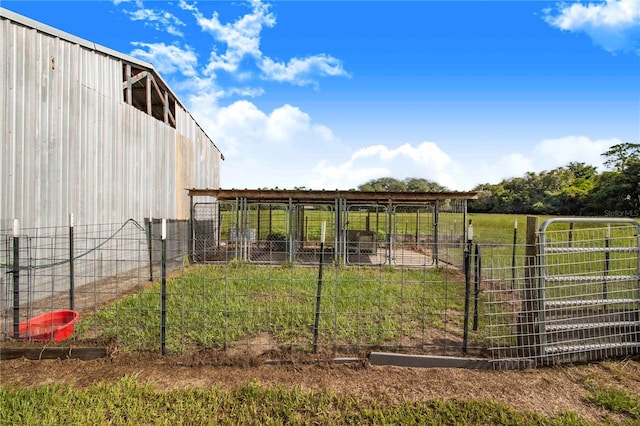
(363, 228)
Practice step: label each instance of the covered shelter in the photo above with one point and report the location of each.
(362, 227)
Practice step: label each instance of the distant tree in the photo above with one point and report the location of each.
(423, 185)
(389, 184)
(619, 156)
(383, 184)
(563, 191)
(485, 203)
(582, 170)
(618, 190)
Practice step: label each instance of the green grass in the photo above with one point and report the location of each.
(615, 400)
(129, 401)
(218, 305)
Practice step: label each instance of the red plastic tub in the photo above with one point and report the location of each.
(52, 326)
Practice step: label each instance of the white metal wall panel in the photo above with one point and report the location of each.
(71, 145)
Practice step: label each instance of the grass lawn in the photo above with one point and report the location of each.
(215, 306)
(130, 402)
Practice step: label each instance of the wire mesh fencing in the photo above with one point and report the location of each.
(113, 276)
(571, 295)
(81, 268)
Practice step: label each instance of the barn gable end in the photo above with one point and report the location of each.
(93, 132)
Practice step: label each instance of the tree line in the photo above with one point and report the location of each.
(572, 190)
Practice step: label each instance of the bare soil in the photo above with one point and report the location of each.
(548, 391)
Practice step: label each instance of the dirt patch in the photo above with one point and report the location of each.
(548, 391)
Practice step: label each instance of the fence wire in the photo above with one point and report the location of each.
(576, 299)
(237, 308)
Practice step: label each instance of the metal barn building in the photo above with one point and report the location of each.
(92, 132)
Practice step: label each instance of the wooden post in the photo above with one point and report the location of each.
(128, 85)
(528, 331)
(148, 93)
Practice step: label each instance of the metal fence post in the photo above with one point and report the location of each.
(436, 243)
(316, 323)
(467, 285)
(476, 284)
(150, 246)
(72, 294)
(513, 254)
(192, 238)
(163, 290)
(16, 278)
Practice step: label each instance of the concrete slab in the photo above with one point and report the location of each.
(428, 361)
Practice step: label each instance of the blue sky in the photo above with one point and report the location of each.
(331, 94)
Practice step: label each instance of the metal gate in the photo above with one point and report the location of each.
(207, 245)
(414, 238)
(589, 289)
(366, 234)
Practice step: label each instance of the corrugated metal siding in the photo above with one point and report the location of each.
(71, 145)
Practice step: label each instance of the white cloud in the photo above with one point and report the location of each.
(167, 59)
(241, 37)
(241, 57)
(138, 3)
(552, 153)
(160, 20)
(298, 70)
(547, 154)
(244, 130)
(614, 24)
(507, 166)
(425, 160)
(344, 176)
(280, 148)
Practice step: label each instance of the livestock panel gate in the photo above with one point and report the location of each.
(571, 294)
(589, 289)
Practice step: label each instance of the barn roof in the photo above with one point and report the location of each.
(324, 196)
